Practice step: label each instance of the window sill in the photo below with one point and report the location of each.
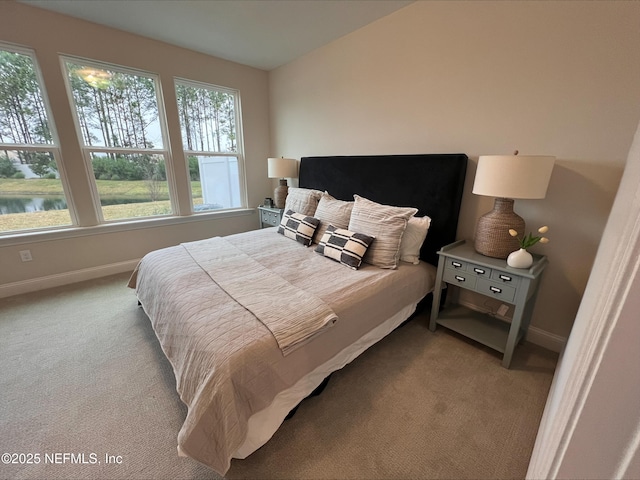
(113, 227)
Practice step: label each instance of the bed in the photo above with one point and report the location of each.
(253, 323)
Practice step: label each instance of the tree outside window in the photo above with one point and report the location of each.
(31, 191)
(210, 136)
(119, 121)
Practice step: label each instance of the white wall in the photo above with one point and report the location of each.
(486, 77)
(591, 423)
(51, 34)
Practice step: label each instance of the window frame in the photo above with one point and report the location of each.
(87, 150)
(180, 213)
(239, 153)
(53, 148)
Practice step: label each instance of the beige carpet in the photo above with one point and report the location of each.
(81, 372)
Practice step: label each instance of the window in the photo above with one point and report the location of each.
(212, 143)
(32, 195)
(121, 128)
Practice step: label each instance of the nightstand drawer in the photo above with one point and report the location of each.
(505, 278)
(454, 264)
(506, 293)
(462, 279)
(479, 270)
(271, 218)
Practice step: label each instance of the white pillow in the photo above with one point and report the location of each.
(413, 238)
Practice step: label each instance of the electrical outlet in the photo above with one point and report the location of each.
(25, 255)
(502, 310)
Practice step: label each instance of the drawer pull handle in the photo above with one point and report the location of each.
(456, 264)
(459, 278)
(495, 289)
(479, 271)
(505, 278)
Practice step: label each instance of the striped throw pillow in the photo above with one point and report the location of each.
(386, 223)
(302, 200)
(331, 211)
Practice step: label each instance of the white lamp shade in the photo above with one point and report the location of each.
(282, 167)
(513, 176)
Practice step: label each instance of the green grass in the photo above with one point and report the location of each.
(108, 189)
(15, 187)
(23, 221)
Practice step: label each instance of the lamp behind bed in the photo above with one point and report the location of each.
(432, 183)
(281, 168)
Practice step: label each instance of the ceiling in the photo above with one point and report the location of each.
(261, 33)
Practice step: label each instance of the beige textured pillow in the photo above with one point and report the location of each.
(386, 223)
(331, 211)
(413, 238)
(302, 200)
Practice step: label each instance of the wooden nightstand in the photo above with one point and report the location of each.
(460, 265)
(270, 216)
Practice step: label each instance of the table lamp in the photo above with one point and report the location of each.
(507, 177)
(282, 168)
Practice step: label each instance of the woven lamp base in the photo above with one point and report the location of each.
(280, 193)
(492, 232)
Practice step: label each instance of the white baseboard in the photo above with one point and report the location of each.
(535, 335)
(545, 339)
(57, 280)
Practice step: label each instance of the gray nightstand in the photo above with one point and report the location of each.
(270, 216)
(459, 264)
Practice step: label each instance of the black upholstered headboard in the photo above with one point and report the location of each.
(431, 183)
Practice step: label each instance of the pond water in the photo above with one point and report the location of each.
(38, 204)
(30, 204)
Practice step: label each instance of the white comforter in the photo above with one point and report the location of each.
(227, 363)
(251, 284)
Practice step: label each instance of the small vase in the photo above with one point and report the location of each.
(520, 259)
